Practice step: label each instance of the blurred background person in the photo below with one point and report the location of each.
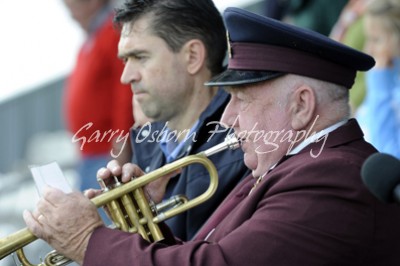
(276, 9)
(379, 114)
(317, 15)
(98, 107)
(349, 29)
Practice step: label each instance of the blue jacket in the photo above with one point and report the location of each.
(194, 179)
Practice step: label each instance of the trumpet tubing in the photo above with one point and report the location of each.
(15, 241)
(129, 208)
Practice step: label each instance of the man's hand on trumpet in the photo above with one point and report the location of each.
(154, 191)
(58, 214)
(65, 221)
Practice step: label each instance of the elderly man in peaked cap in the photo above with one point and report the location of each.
(304, 203)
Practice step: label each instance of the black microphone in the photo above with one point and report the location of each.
(381, 174)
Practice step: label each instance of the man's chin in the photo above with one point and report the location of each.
(251, 164)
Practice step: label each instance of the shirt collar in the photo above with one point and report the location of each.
(170, 145)
(316, 136)
(311, 139)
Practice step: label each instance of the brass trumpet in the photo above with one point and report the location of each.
(129, 209)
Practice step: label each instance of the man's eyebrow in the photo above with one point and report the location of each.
(133, 53)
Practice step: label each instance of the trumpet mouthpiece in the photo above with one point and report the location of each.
(231, 142)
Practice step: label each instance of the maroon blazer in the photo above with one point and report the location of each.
(306, 211)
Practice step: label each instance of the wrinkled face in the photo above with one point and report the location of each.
(259, 117)
(158, 77)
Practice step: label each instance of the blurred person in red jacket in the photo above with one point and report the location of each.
(97, 106)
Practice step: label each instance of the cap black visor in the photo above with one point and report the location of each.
(233, 77)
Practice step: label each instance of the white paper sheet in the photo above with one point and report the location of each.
(50, 175)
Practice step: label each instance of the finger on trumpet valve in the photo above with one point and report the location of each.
(102, 184)
(116, 181)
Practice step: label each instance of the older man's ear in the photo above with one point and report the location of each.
(302, 105)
